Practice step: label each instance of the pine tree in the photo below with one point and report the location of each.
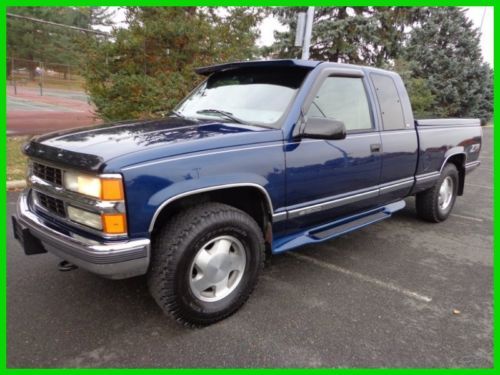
(484, 109)
(418, 89)
(36, 42)
(445, 51)
(357, 35)
(149, 66)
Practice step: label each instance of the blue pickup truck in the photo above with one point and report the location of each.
(261, 157)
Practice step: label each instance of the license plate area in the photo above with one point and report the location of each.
(30, 243)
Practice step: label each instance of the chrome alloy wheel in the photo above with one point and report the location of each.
(217, 268)
(445, 193)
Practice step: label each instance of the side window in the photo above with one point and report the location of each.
(343, 99)
(389, 101)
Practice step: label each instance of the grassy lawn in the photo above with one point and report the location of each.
(16, 161)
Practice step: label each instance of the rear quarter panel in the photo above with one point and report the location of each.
(440, 139)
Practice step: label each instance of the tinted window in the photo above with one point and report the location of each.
(343, 99)
(389, 101)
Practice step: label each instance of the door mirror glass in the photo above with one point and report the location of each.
(324, 128)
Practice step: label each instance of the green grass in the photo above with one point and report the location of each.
(16, 161)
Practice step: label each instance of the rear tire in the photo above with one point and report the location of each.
(205, 263)
(436, 203)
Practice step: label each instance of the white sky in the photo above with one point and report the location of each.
(270, 24)
(475, 14)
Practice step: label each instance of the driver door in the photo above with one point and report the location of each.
(327, 179)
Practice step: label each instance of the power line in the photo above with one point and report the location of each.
(57, 24)
(482, 19)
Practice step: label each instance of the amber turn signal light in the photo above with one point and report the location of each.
(114, 223)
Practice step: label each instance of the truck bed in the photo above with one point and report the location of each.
(442, 139)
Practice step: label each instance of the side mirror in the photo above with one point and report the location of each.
(324, 128)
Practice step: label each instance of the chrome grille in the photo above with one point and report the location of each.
(50, 174)
(51, 204)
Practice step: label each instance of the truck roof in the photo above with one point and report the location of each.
(309, 64)
(206, 70)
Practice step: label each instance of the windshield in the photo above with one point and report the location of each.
(258, 96)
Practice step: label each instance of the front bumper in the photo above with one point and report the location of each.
(111, 259)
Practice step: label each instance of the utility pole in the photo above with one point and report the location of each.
(307, 33)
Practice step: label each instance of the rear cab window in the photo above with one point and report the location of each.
(389, 101)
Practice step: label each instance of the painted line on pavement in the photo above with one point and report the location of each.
(468, 217)
(32, 106)
(365, 278)
(480, 186)
(485, 169)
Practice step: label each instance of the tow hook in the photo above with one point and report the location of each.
(66, 266)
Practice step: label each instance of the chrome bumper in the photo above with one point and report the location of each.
(111, 259)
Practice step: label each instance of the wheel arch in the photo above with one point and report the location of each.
(458, 159)
(227, 193)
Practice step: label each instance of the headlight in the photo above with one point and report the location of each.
(108, 223)
(101, 188)
(82, 184)
(85, 217)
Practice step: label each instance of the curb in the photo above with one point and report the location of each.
(16, 185)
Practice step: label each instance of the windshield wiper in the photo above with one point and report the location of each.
(228, 115)
(176, 113)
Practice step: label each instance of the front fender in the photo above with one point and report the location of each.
(169, 196)
(151, 187)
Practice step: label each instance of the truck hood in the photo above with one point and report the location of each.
(112, 146)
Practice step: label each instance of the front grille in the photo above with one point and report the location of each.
(51, 204)
(50, 174)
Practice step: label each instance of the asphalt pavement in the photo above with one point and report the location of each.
(400, 293)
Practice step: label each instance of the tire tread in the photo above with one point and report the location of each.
(426, 201)
(174, 233)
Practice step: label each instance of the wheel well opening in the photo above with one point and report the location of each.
(248, 199)
(459, 162)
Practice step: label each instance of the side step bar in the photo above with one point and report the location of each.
(336, 228)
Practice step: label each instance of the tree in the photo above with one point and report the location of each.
(149, 66)
(420, 94)
(484, 109)
(445, 52)
(36, 42)
(357, 35)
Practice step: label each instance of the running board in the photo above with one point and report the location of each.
(336, 228)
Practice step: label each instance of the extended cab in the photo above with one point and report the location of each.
(263, 155)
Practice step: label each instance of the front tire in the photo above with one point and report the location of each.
(436, 203)
(205, 263)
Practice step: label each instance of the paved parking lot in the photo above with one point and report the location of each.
(383, 296)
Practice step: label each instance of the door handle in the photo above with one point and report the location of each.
(375, 147)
